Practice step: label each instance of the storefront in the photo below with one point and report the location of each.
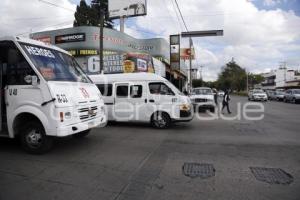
(122, 53)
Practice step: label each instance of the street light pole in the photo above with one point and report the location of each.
(191, 34)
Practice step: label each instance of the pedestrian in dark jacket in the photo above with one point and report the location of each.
(225, 102)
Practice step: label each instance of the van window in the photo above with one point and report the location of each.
(122, 91)
(136, 91)
(105, 89)
(160, 88)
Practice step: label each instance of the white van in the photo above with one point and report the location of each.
(143, 97)
(44, 93)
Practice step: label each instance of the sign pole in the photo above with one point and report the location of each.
(122, 23)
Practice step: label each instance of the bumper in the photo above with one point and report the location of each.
(185, 116)
(260, 98)
(99, 121)
(204, 105)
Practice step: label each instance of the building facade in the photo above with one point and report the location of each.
(122, 53)
(281, 78)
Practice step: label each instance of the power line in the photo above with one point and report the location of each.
(44, 27)
(58, 6)
(38, 18)
(181, 15)
(175, 10)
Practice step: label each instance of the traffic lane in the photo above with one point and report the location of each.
(103, 161)
(134, 161)
(232, 147)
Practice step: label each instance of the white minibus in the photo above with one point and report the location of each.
(144, 97)
(44, 94)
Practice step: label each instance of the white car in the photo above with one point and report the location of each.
(257, 95)
(203, 98)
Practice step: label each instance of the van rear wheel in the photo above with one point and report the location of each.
(160, 120)
(34, 139)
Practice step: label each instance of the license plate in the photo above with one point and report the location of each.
(91, 124)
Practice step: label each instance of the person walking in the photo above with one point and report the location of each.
(225, 102)
(215, 96)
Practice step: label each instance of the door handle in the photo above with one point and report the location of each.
(151, 100)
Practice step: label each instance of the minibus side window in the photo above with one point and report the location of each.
(160, 88)
(136, 91)
(122, 91)
(105, 89)
(17, 66)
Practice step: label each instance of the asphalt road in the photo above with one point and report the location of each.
(134, 161)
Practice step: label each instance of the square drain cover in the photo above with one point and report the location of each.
(201, 170)
(271, 175)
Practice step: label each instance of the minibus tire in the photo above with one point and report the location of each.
(165, 117)
(81, 134)
(27, 133)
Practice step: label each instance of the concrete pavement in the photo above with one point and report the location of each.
(133, 161)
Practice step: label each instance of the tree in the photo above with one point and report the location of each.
(197, 83)
(86, 15)
(254, 79)
(232, 77)
(82, 15)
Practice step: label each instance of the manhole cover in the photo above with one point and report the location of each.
(271, 175)
(201, 170)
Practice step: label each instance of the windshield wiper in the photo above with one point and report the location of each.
(46, 102)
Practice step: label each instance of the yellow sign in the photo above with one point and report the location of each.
(128, 66)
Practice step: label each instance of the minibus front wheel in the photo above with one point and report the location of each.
(34, 139)
(160, 120)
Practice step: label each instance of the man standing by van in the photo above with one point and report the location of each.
(225, 102)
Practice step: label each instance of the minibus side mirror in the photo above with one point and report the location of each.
(31, 79)
(34, 81)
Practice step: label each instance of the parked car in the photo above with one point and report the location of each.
(279, 95)
(221, 93)
(143, 97)
(257, 95)
(203, 98)
(292, 95)
(271, 94)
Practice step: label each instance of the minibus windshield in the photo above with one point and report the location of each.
(55, 65)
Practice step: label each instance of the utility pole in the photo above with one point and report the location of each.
(95, 2)
(201, 68)
(247, 84)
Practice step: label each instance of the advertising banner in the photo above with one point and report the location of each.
(126, 8)
(186, 53)
(116, 62)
